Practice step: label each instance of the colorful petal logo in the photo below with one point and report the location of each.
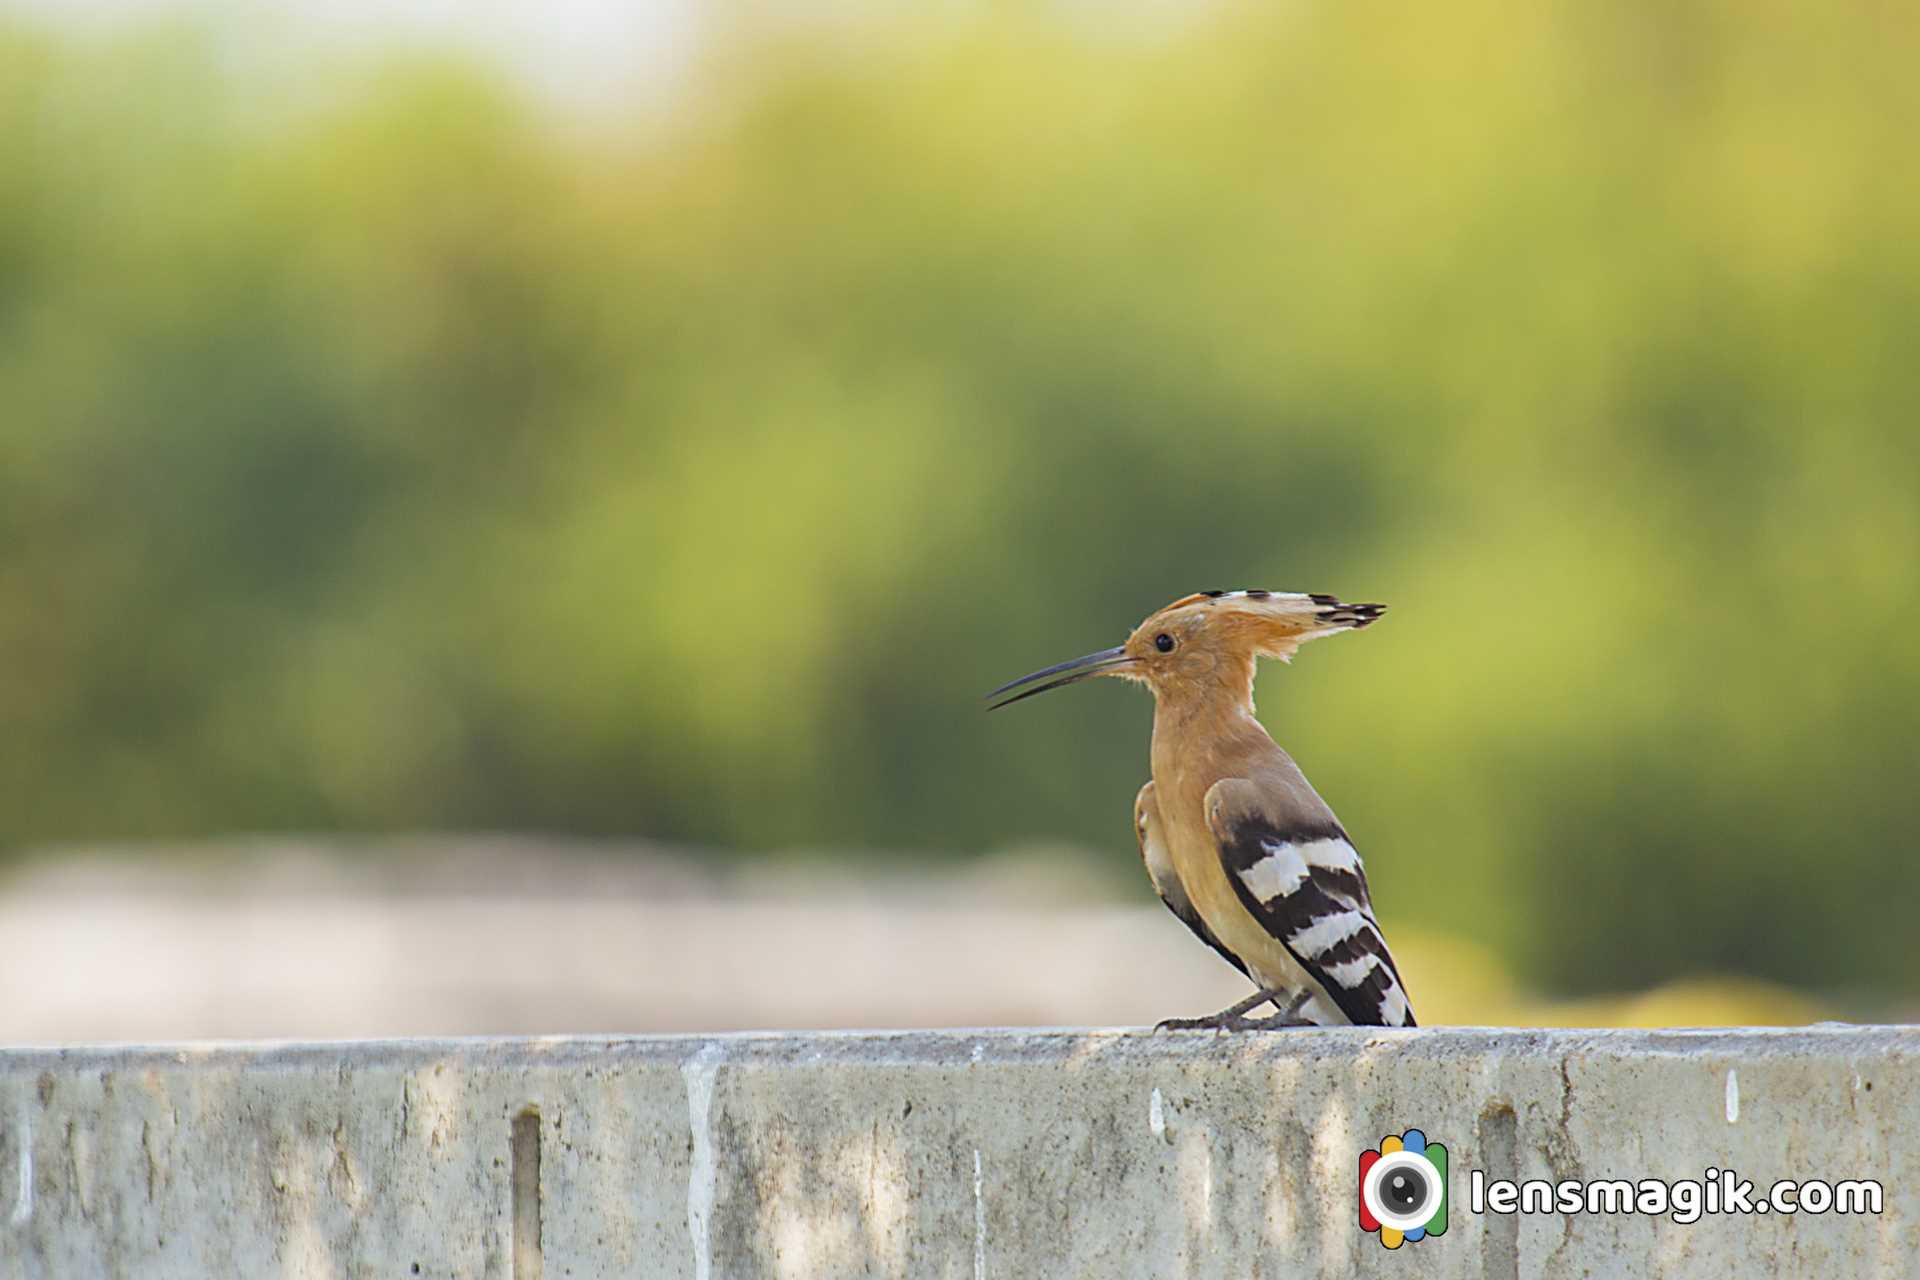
(1403, 1189)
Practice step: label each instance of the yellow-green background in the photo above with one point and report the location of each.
(379, 451)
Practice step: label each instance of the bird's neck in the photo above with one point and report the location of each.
(1201, 733)
(1209, 700)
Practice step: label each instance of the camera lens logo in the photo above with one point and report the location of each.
(1403, 1189)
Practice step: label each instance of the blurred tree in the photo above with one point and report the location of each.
(400, 461)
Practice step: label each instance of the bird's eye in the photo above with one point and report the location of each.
(1163, 642)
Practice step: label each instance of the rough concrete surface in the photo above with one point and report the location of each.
(945, 1154)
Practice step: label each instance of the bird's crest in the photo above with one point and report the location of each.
(1274, 623)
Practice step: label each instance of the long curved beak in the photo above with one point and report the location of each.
(1072, 671)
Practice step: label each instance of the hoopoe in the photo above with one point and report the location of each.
(1238, 845)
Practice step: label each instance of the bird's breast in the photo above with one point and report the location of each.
(1196, 861)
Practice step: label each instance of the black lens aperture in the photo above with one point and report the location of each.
(1404, 1191)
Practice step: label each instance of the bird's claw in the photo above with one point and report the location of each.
(1216, 1022)
(1232, 1022)
(1233, 1017)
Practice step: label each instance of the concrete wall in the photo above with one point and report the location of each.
(950, 1154)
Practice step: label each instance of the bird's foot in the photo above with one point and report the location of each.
(1222, 1021)
(1231, 1018)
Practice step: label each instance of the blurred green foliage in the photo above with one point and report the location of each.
(381, 455)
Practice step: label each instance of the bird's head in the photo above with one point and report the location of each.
(1204, 644)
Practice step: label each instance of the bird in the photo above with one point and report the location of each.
(1237, 843)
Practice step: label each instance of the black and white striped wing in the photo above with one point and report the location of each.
(1303, 882)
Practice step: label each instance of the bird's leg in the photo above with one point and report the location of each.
(1288, 1015)
(1231, 1018)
